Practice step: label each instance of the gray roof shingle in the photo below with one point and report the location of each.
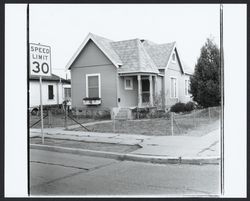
(106, 45)
(136, 55)
(160, 54)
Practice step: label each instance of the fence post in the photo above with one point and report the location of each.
(66, 117)
(113, 122)
(209, 114)
(172, 123)
(194, 118)
(49, 117)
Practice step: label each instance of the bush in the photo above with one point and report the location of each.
(182, 107)
(189, 106)
(178, 107)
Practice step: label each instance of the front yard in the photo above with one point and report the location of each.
(57, 120)
(183, 125)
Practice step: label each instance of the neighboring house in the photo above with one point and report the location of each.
(108, 74)
(54, 91)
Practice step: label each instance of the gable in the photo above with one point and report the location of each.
(175, 66)
(91, 55)
(160, 53)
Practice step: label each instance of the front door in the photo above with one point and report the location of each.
(145, 90)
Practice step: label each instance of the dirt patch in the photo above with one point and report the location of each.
(109, 147)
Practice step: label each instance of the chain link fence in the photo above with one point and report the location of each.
(182, 123)
(199, 120)
(57, 117)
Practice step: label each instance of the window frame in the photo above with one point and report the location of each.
(131, 82)
(99, 83)
(176, 87)
(174, 61)
(53, 97)
(68, 91)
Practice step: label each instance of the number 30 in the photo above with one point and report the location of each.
(44, 66)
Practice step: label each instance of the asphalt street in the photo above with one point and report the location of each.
(54, 173)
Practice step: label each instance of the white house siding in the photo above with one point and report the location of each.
(35, 93)
(174, 70)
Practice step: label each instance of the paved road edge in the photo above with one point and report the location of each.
(130, 157)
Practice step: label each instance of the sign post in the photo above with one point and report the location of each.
(40, 65)
(41, 107)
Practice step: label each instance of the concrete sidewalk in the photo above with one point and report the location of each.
(152, 147)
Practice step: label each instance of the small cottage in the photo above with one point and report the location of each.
(54, 91)
(109, 75)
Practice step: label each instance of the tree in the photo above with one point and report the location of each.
(205, 83)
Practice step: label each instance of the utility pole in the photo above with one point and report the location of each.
(222, 97)
(28, 93)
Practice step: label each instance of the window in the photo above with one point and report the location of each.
(174, 57)
(93, 86)
(189, 86)
(67, 93)
(128, 83)
(173, 88)
(51, 92)
(186, 87)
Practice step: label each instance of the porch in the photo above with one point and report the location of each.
(145, 88)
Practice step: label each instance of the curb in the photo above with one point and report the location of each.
(130, 157)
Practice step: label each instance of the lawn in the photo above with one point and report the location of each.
(110, 147)
(57, 121)
(196, 123)
(187, 124)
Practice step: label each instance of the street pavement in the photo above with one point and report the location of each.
(54, 173)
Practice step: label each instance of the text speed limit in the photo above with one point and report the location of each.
(40, 63)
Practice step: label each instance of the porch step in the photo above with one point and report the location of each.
(122, 114)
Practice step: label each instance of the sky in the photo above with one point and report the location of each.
(65, 26)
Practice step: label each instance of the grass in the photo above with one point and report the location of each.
(109, 147)
(57, 121)
(192, 124)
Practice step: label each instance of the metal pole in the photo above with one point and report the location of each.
(209, 113)
(194, 117)
(222, 97)
(49, 116)
(172, 123)
(113, 122)
(28, 96)
(66, 116)
(41, 107)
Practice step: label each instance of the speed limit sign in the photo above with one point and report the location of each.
(40, 60)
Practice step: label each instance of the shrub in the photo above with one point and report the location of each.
(189, 106)
(178, 107)
(182, 107)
